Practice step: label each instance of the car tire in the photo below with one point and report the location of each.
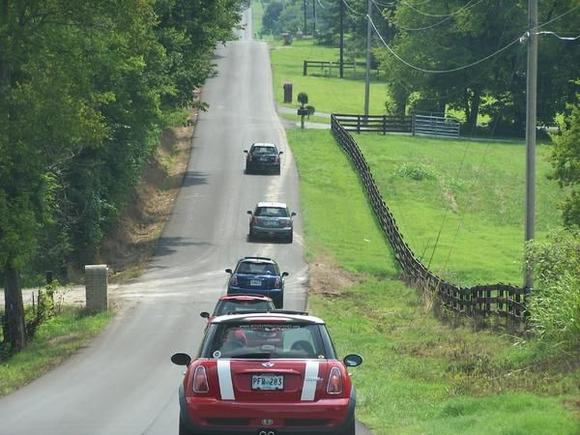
(290, 238)
(279, 304)
(251, 235)
(277, 171)
(247, 171)
(348, 429)
(183, 430)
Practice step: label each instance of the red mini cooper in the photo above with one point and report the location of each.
(267, 374)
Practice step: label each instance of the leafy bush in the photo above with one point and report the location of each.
(555, 301)
(415, 171)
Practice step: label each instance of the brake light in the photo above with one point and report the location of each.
(334, 381)
(277, 282)
(200, 384)
(234, 280)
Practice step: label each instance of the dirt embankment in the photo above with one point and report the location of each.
(128, 248)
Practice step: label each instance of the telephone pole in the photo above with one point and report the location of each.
(341, 38)
(368, 75)
(531, 106)
(313, 17)
(305, 28)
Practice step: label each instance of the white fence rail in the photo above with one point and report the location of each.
(435, 126)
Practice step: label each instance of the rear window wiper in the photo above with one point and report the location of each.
(252, 355)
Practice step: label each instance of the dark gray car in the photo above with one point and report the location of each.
(271, 220)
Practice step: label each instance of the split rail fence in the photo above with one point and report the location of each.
(478, 302)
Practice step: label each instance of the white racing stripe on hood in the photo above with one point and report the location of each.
(310, 380)
(225, 379)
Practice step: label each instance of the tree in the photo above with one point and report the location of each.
(566, 162)
(83, 91)
(447, 34)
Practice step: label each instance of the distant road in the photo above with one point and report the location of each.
(124, 383)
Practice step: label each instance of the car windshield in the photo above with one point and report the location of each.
(271, 212)
(264, 150)
(247, 267)
(227, 307)
(266, 340)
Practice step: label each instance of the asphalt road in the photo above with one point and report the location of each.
(123, 382)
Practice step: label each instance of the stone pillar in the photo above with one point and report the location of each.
(96, 287)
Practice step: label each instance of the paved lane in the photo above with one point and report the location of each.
(123, 383)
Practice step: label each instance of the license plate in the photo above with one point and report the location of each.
(255, 283)
(267, 382)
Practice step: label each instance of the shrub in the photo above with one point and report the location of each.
(555, 301)
(415, 171)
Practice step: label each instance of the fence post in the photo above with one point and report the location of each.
(358, 123)
(305, 68)
(384, 124)
(96, 287)
(413, 124)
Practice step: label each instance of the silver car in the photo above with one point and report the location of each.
(271, 220)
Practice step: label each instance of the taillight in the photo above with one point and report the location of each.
(234, 280)
(278, 282)
(334, 381)
(200, 384)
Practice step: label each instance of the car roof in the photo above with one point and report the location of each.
(268, 317)
(264, 144)
(245, 298)
(272, 204)
(257, 260)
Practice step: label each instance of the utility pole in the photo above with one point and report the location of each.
(531, 103)
(341, 38)
(305, 28)
(368, 76)
(313, 17)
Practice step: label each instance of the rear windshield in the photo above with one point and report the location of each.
(250, 268)
(233, 307)
(266, 340)
(263, 150)
(272, 212)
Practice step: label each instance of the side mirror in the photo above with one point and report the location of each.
(280, 152)
(352, 360)
(181, 359)
(293, 213)
(228, 270)
(285, 274)
(245, 151)
(204, 314)
(250, 212)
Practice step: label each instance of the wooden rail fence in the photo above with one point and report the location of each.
(478, 302)
(378, 123)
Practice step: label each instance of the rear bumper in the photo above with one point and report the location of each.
(263, 166)
(212, 416)
(276, 294)
(271, 232)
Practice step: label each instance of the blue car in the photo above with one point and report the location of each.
(258, 275)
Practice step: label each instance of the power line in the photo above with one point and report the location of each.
(467, 6)
(563, 38)
(354, 11)
(441, 71)
(569, 11)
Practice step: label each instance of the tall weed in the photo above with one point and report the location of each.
(555, 301)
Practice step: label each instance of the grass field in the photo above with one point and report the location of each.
(469, 194)
(419, 375)
(55, 340)
(326, 93)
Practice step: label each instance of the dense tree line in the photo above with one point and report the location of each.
(448, 34)
(85, 89)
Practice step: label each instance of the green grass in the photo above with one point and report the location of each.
(326, 94)
(471, 192)
(466, 194)
(55, 341)
(419, 376)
